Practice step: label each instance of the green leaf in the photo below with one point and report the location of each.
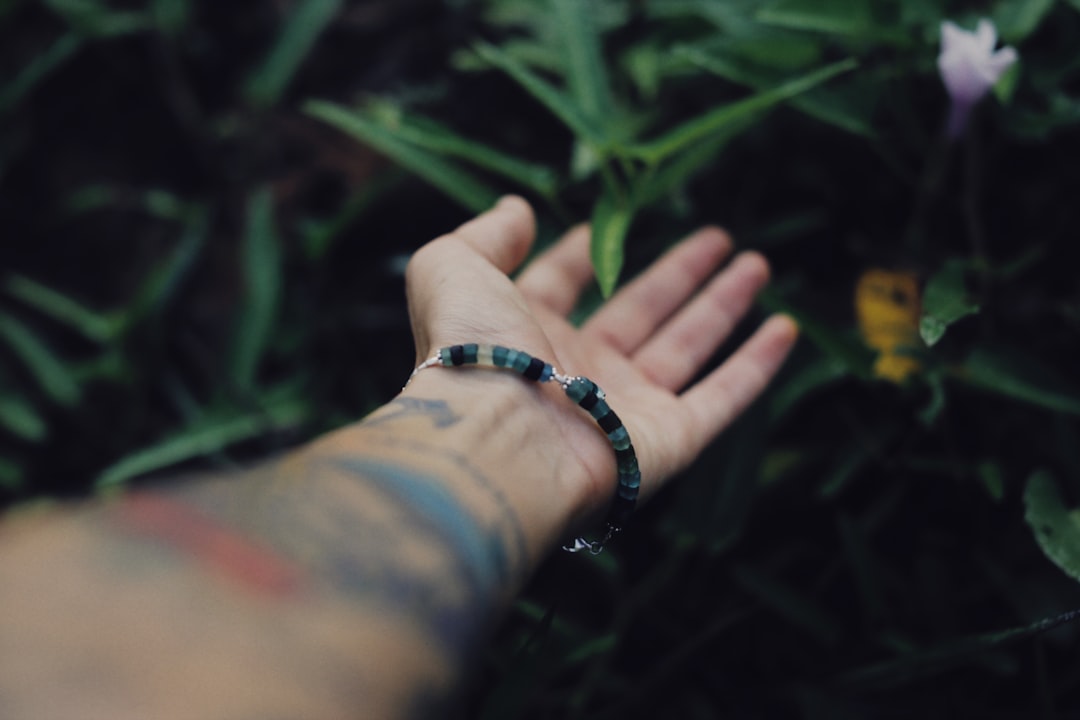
(643, 65)
(51, 373)
(734, 117)
(94, 326)
(91, 18)
(170, 16)
(1005, 87)
(849, 110)
(262, 277)
(1056, 527)
(11, 475)
(430, 135)
(552, 98)
(945, 301)
(790, 604)
(37, 70)
(992, 477)
(938, 660)
(1016, 19)
(674, 174)
(300, 30)
(848, 18)
(157, 203)
(319, 235)
(586, 70)
(21, 419)
(1020, 377)
(448, 177)
(205, 439)
(715, 502)
(162, 282)
(610, 223)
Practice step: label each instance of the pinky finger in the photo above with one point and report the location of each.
(719, 398)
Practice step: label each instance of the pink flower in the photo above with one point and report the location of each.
(969, 67)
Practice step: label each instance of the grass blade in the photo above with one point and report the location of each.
(847, 110)
(430, 135)
(37, 70)
(200, 441)
(300, 31)
(11, 475)
(88, 17)
(738, 114)
(552, 98)
(21, 419)
(685, 165)
(98, 327)
(938, 660)
(262, 277)
(1017, 376)
(50, 372)
(460, 185)
(163, 281)
(791, 605)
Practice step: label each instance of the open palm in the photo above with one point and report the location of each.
(644, 346)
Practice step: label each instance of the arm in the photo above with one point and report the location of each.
(356, 576)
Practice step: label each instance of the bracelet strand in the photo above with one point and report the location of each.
(585, 393)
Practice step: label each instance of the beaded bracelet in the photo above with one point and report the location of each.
(582, 391)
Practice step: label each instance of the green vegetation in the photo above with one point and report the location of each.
(205, 208)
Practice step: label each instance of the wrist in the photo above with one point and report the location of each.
(517, 442)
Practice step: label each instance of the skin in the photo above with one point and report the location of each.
(358, 575)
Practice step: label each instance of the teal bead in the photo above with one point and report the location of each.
(469, 351)
(628, 465)
(599, 410)
(498, 356)
(578, 388)
(630, 480)
(522, 362)
(620, 439)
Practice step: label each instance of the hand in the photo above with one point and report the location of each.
(644, 346)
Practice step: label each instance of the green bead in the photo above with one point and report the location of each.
(522, 362)
(620, 439)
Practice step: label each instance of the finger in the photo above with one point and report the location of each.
(557, 277)
(673, 355)
(727, 391)
(502, 235)
(634, 313)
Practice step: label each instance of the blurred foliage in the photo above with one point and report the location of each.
(205, 210)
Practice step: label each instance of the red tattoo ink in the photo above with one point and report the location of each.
(181, 526)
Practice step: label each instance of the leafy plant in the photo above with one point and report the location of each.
(201, 269)
(615, 138)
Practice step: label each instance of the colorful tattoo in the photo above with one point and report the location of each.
(182, 526)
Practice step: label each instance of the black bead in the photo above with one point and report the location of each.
(535, 369)
(589, 400)
(610, 422)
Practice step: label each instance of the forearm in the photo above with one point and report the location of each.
(353, 578)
